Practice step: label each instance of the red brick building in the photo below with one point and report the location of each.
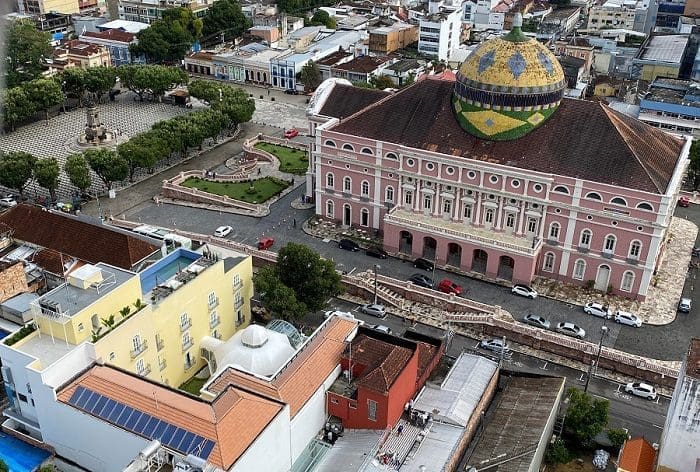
(380, 374)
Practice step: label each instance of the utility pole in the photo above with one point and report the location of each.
(603, 332)
(376, 267)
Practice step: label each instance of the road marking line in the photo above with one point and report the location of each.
(657, 426)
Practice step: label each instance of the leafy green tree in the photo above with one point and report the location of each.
(277, 297)
(617, 437)
(16, 106)
(557, 453)
(46, 173)
(3, 466)
(310, 76)
(381, 82)
(74, 83)
(78, 171)
(100, 80)
(109, 166)
(694, 166)
(142, 151)
(45, 94)
(322, 18)
(585, 417)
(224, 16)
(235, 105)
(16, 170)
(169, 38)
(312, 278)
(26, 50)
(204, 90)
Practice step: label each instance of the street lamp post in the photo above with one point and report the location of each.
(603, 331)
(376, 267)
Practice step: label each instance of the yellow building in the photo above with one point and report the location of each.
(151, 322)
(46, 6)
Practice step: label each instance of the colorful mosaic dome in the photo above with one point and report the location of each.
(508, 86)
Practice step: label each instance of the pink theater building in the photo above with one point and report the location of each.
(496, 173)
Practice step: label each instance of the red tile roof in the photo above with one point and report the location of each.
(362, 64)
(67, 234)
(296, 383)
(111, 35)
(233, 420)
(382, 361)
(583, 139)
(346, 100)
(637, 456)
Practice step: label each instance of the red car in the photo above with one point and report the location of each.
(291, 133)
(265, 243)
(448, 286)
(683, 201)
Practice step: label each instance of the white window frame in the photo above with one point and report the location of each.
(554, 230)
(585, 234)
(627, 281)
(330, 180)
(610, 240)
(389, 194)
(364, 217)
(635, 250)
(330, 209)
(579, 274)
(364, 188)
(548, 262)
(347, 184)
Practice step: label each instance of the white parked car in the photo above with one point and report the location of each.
(684, 305)
(7, 202)
(382, 328)
(375, 310)
(494, 344)
(524, 291)
(223, 231)
(597, 309)
(641, 390)
(627, 318)
(570, 329)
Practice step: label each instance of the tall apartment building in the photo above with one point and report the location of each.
(440, 30)
(612, 14)
(150, 323)
(36, 7)
(147, 11)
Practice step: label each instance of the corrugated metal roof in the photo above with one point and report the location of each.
(460, 392)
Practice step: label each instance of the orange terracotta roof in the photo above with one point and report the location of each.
(637, 456)
(303, 375)
(233, 420)
(381, 361)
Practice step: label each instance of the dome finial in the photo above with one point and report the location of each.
(518, 20)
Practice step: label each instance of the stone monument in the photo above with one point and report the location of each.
(95, 133)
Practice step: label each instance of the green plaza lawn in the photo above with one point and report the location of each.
(262, 190)
(292, 161)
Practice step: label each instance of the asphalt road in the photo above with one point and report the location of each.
(641, 417)
(668, 342)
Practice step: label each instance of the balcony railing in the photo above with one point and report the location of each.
(238, 303)
(160, 344)
(606, 254)
(189, 365)
(145, 371)
(184, 326)
(238, 285)
(136, 351)
(187, 344)
(240, 321)
(162, 365)
(213, 303)
(214, 322)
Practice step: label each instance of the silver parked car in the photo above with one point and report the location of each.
(375, 310)
(524, 291)
(597, 309)
(571, 329)
(627, 318)
(494, 344)
(537, 321)
(684, 305)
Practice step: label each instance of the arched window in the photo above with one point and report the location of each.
(548, 265)
(609, 243)
(364, 217)
(619, 201)
(554, 231)
(561, 189)
(330, 209)
(365, 188)
(579, 269)
(586, 236)
(389, 194)
(366, 150)
(645, 206)
(392, 156)
(348, 147)
(347, 184)
(408, 197)
(329, 143)
(627, 281)
(330, 180)
(635, 249)
(593, 196)
(427, 202)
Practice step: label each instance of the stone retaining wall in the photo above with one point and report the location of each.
(251, 152)
(484, 319)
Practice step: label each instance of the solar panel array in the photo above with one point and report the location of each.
(143, 424)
